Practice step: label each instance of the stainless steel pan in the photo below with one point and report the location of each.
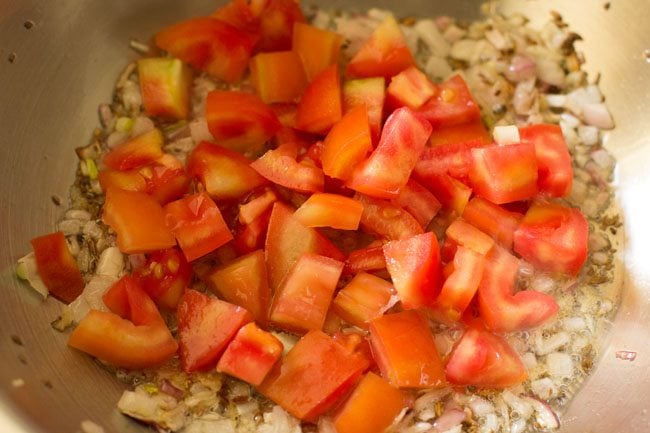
(59, 60)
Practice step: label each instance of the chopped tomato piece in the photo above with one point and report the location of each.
(209, 44)
(389, 166)
(277, 20)
(473, 132)
(197, 224)
(405, 351)
(320, 106)
(364, 298)
(205, 327)
(454, 159)
(452, 105)
(503, 174)
(315, 374)
(57, 267)
(386, 219)
(226, 174)
(301, 301)
(129, 180)
(384, 54)
(418, 201)
(244, 282)
(240, 121)
(414, 267)
(138, 220)
(553, 237)
(251, 210)
(370, 92)
(366, 259)
(483, 359)
(555, 174)
(347, 144)
(251, 355)
(286, 113)
(501, 308)
(242, 14)
(287, 239)
(281, 167)
(318, 48)
(451, 193)
(410, 88)
(371, 408)
(492, 219)
(164, 277)
(137, 151)
(250, 237)
(278, 76)
(165, 86)
(469, 236)
(330, 210)
(138, 339)
(165, 183)
(460, 287)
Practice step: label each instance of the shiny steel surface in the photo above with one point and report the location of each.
(66, 64)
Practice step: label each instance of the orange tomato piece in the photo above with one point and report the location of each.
(371, 408)
(473, 131)
(57, 267)
(138, 220)
(418, 201)
(364, 298)
(371, 93)
(320, 106)
(251, 210)
(410, 88)
(165, 85)
(459, 288)
(278, 76)
(387, 220)
(244, 282)
(330, 210)
(451, 193)
(281, 167)
(384, 54)
(136, 152)
(276, 24)
(492, 219)
(465, 234)
(347, 144)
(405, 351)
(318, 48)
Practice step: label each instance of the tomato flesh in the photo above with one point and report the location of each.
(164, 277)
(165, 87)
(330, 210)
(410, 88)
(321, 106)
(387, 220)
(452, 105)
(364, 298)
(137, 151)
(267, 67)
(492, 219)
(368, 92)
(318, 48)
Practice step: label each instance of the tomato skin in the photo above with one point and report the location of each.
(410, 88)
(553, 238)
(364, 298)
(414, 267)
(205, 327)
(321, 104)
(139, 339)
(453, 159)
(368, 92)
(389, 166)
(387, 220)
(347, 144)
(418, 201)
(240, 121)
(371, 408)
(209, 44)
(384, 54)
(165, 87)
(313, 376)
(281, 167)
(244, 282)
(330, 210)
(492, 219)
(250, 356)
(318, 48)
(138, 220)
(301, 301)
(503, 174)
(136, 152)
(405, 351)
(452, 105)
(57, 267)
(267, 67)
(365, 259)
(287, 239)
(503, 310)
(451, 193)
(483, 359)
(164, 277)
(226, 174)
(555, 173)
(240, 14)
(197, 224)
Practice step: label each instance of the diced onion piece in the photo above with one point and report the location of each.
(597, 115)
(110, 263)
(26, 270)
(449, 419)
(560, 365)
(544, 414)
(505, 135)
